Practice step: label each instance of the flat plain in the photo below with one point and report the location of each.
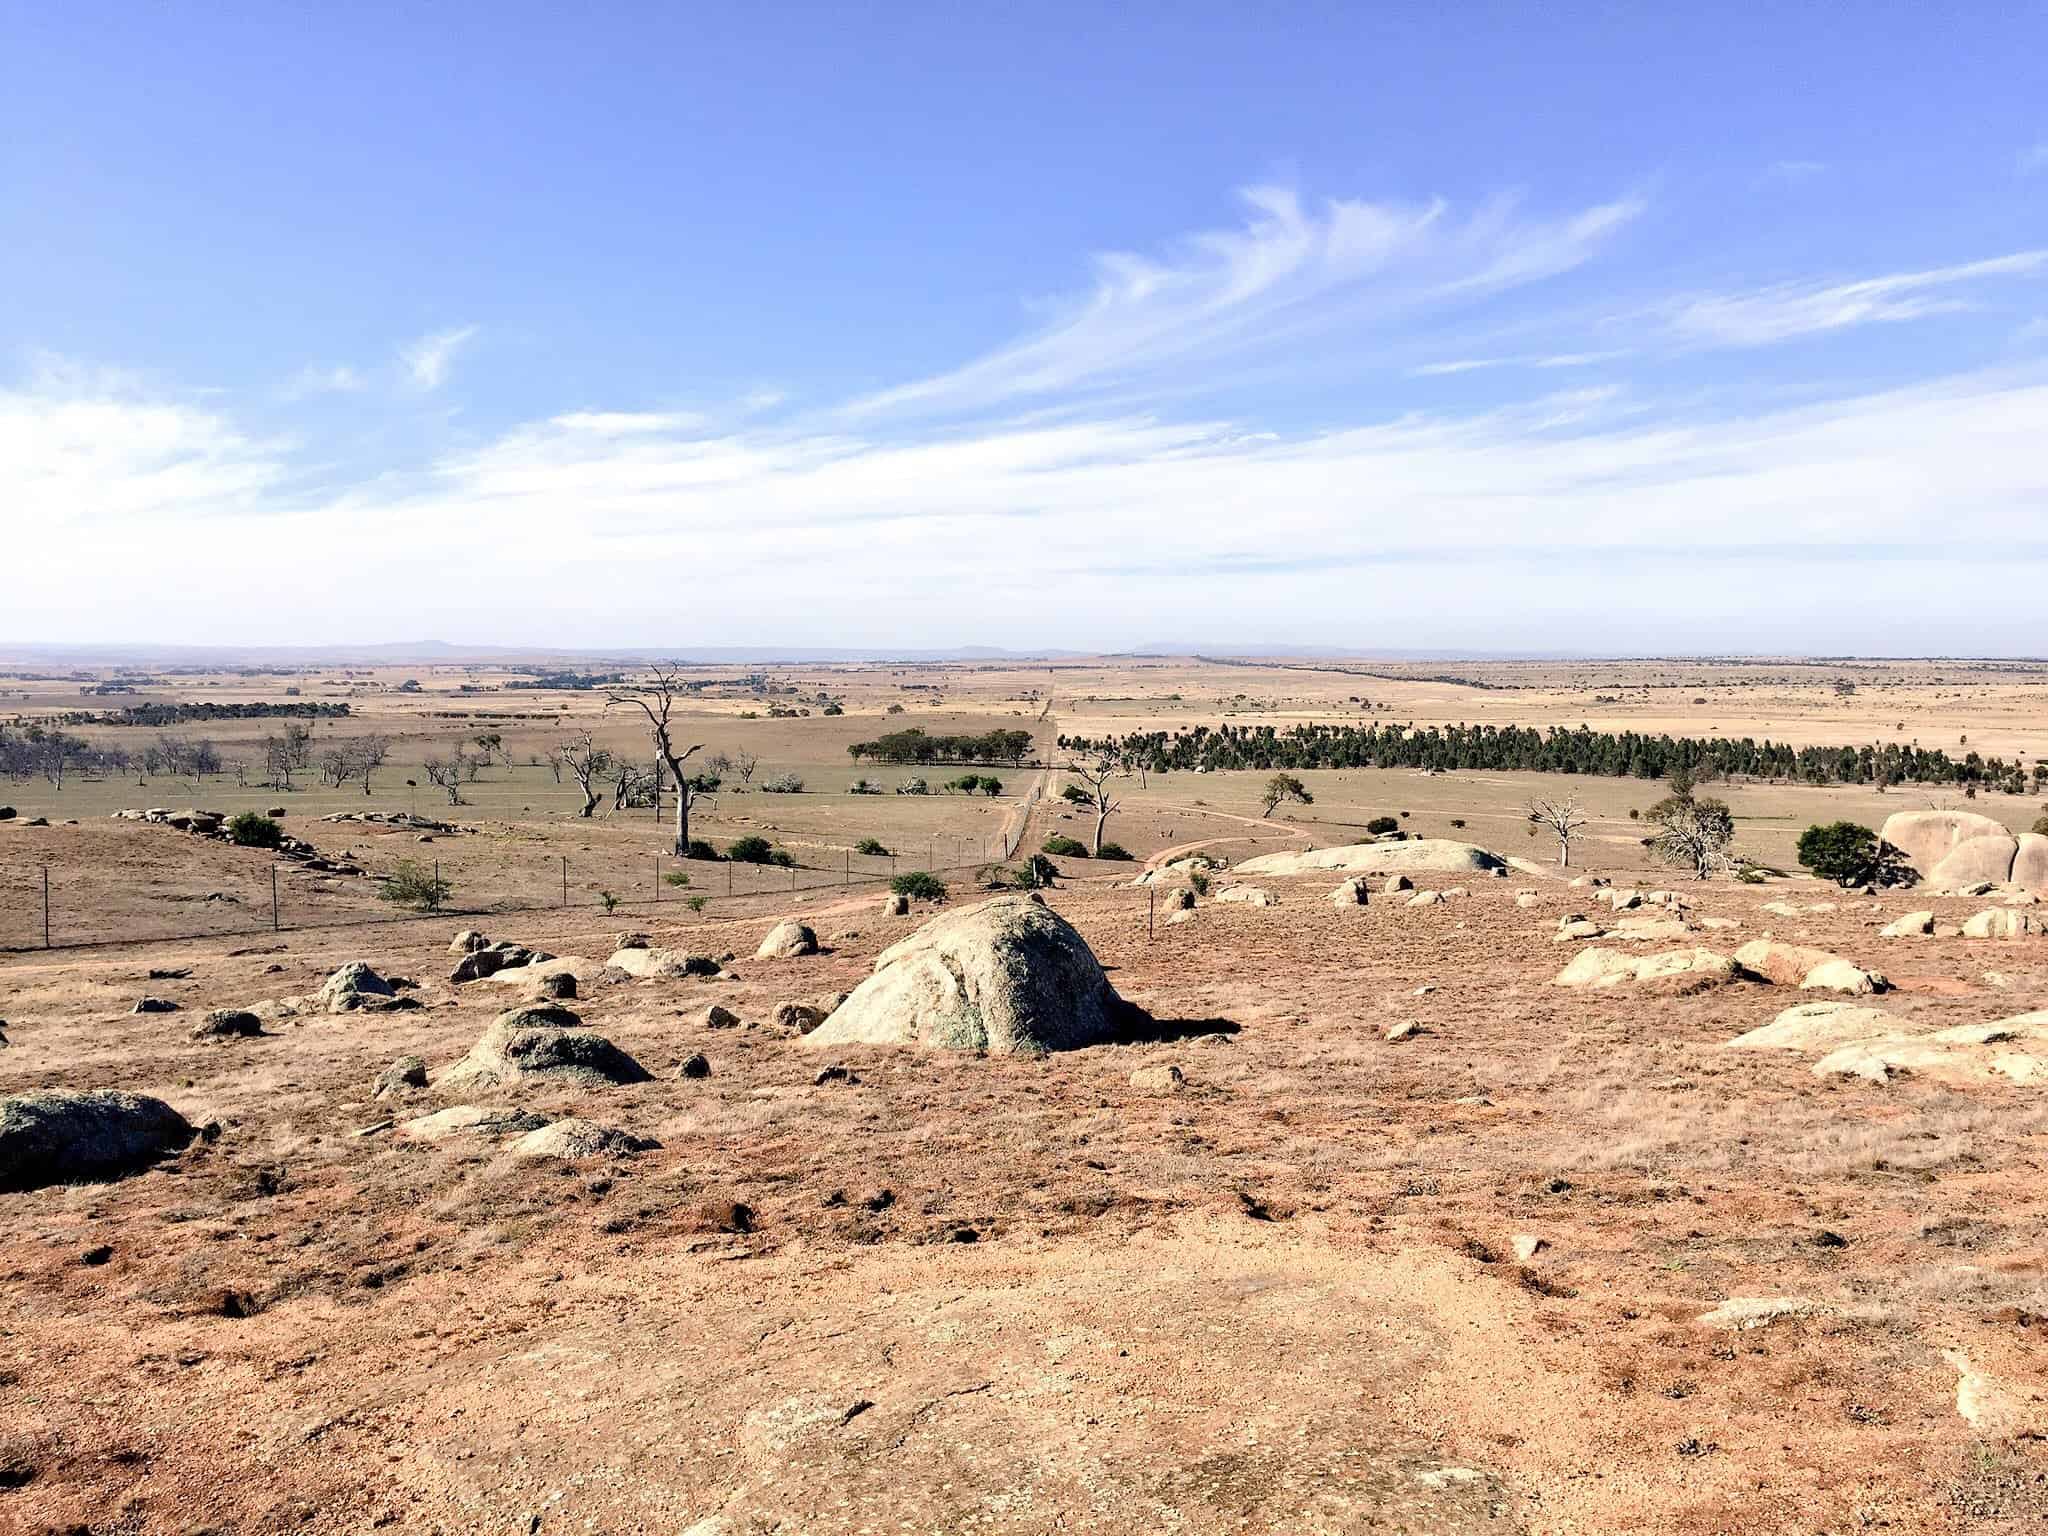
(1418, 1241)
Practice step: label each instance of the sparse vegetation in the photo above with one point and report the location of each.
(415, 885)
(1380, 826)
(871, 847)
(250, 829)
(755, 849)
(1063, 847)
(918, 885)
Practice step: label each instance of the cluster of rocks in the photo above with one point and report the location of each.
(481, 957)
(1992, 923)
(1860, 1041)
(1428, 855)
(1958, 850)
(1765, 960)
(404, 820)
(213, 825)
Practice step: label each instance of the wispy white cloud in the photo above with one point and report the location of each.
(1788, 310)
(313, 380)
(2034, 158)
(1540, 360)
(82, 450)
(1286, 271)
(1457, 365)
(764, 399)
(1048, 481)
(427, 360)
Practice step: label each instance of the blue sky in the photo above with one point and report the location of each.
(1476, 328)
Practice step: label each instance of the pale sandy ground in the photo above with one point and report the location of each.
(1282, 1299)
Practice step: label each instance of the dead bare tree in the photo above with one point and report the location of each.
(656, 699)
(1564, 818)
(371, 751)
(585, 761)
(447, 774)
(744, 763)
(1096, 770)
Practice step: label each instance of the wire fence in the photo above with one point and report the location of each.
(52, 907)
(122, 897)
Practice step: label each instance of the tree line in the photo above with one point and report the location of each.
(1527, 749)
(187, 713)
(916, 746)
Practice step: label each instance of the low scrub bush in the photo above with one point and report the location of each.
(677, 878)
(415, 885)
(1380, 826)
(698, 848)
(1115, 852)
(247, 829)
(782, 784)
(1064, 847)
(871, 847)
(919, 886)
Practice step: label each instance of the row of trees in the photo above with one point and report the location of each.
(917, 746)
(1622, 754)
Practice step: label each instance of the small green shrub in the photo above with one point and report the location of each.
(247, 829)
(1843, 851)
(413, 884)
(1064, 847)
(1198, 882)
(991, 786)
(609, 900)
(751, 849)
(1076, 794)
(1379, 826)
(919, 886)
(698, 848)
(1458, 822)
(871, 847)
(696, 903)
(1116, 852)
(1040, 872)
(677, 878)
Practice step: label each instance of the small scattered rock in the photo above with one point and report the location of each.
(718, 1016)
(155, 1005)
(696, 1064)
(225, 1023)
(1166, 1078)
(401, 1077)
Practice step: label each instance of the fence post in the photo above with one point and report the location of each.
(657, 877)
(792, 877)
(273, 899)
(728, 877)
(437, 885)
(46, 906)
(565, 880)
(849, 866)
(1151, 911)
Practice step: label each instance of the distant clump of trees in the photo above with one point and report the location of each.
(182, 714)
(917, 746)
(1528, 749)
